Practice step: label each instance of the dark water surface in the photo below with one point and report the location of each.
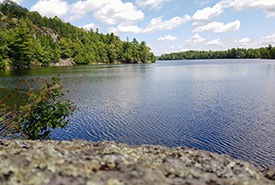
(223, 106)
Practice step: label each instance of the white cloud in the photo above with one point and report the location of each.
(269, 39)
(80, 9)
(215, 42)
(153, 4)
(267, 5)
(167, 38)
(124, 28)
(157, 24)
(51, 8)
(116, 12)
(263, 41)
(242, 41)
(110, 12)
(90, 26)
(195, 39)
(208, 13)
(244, 4)
(219, 27)
(270, 14)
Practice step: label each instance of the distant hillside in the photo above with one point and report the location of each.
(264, 53)
(27, 38)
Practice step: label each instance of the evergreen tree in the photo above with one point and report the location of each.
(22, 45)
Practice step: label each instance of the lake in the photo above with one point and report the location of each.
(223, 106)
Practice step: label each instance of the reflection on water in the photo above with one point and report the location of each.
(225, 106)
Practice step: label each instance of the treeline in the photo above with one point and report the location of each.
(27, 38)
(264, 53)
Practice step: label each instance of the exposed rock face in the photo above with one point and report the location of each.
(110, 163)
(64, 62)
(45, 31)
(49, 31)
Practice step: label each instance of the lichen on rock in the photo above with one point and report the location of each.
(110, 163)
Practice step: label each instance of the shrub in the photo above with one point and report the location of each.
(44, 111)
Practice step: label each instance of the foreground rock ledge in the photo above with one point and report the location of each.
(105, 162)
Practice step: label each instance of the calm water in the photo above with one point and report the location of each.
(224, 106)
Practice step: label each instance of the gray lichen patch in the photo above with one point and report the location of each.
(110, 163)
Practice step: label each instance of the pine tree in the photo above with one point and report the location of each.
(22, 45)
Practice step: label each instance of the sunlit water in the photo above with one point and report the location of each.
(224, 106)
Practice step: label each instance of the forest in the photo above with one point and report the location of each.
(28, 39)
(263, 53)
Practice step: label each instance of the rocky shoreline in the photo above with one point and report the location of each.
(64, 62)
(106, 162)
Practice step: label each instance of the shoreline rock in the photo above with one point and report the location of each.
(64, 62)
(107, 162)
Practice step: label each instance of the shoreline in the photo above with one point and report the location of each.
(65, 63)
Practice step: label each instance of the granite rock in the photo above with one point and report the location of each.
(110, 163)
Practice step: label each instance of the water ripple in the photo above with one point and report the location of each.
(225, 106)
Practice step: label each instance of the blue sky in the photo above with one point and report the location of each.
(171, 25)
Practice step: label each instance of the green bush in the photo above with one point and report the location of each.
(4, 63)
(44, 111)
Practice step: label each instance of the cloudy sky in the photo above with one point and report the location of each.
(171, 25)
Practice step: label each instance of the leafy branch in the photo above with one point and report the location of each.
(44, 111)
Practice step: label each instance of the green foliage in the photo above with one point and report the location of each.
(65, 50)
(4, 49)
(3, 63)
(11, 9)
(44, 111)
(264, 53)
(47, 50)
(22, 45)
(33, 38)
